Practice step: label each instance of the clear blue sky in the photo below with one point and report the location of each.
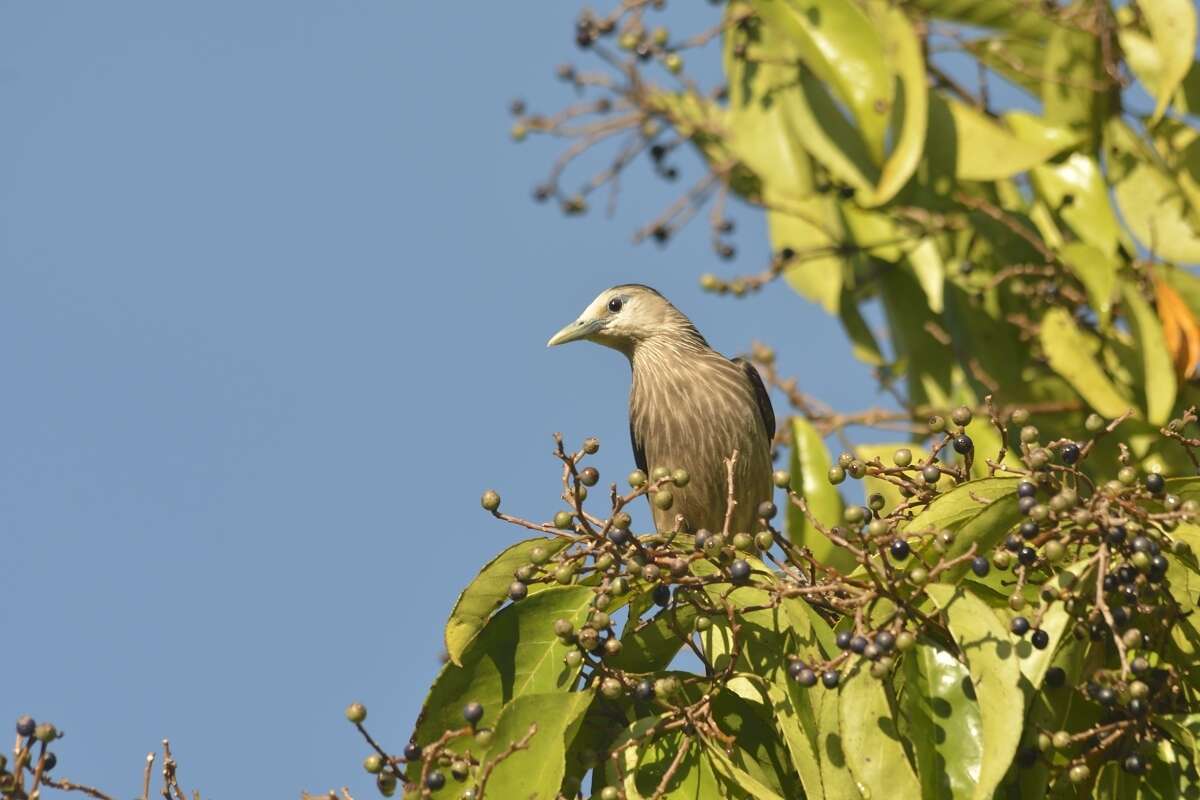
(273, 311)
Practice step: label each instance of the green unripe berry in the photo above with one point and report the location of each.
(666, 687)
(673, 62)
(905, 641)
(743, 541)
(612, 647)
(962, 416)
(782, 478)
(936, 424)
(680, 477)
(591, 445)
(902, 457)
(490, 500)
(1044, 742)
(619, 585)
(1061, 740)
(637, 479)
(878, 528)
(573, 659)
(563, 628)
(386, 783)
(918, 576)
(1054, 551)
(844, 459)
(660, 473)
(703, 623)
(876, 501)
(539, 555)
(1127, 475)
(1019, 416)
(600, 619)
(563, 520)
(1002, 559)
(857, 469)
(764, 539)
(373, 763)
(610, 793)
(1093, 423)
(853, 515)
(356, 712)
(1028, 434)
(564, 574)
(1079, 773)
(1140, 560)
(1016, 602)
(836, 475)
(1039, 458)
(663, 499)
(931, 475)
(611, 688)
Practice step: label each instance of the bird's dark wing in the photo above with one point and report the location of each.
(760, 395)
(639, 449)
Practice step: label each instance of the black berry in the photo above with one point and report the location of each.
(1040, 639)
(1019, 626)
(980, 566)
(899, 549)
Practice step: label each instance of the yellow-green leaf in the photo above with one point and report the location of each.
(1158, 372)
(871, 739)
(810, 468)
(536, 772)
(1075, 190)
(1096, 271)
(1070, 354)
(487, 592)
(992, 661)
(946, 728)
(1172, 25)
(985, 149)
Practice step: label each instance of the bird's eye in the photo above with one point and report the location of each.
(614, 305)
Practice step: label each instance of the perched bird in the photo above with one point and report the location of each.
(689, 407)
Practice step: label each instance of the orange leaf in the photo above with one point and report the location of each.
(1180, 329)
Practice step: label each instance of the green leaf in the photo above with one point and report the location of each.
(927, 265)
(870, 739)
(1096, 271)
(982, 148)
(487, 592)
(1075, 190)
(738, 777)
(992, 661)
(838, 42)
(1172, 25)
(650, 646)
(760, 759)
(515, 654)
(943, 713)
(536, 772)
(796, 720)
(1070, 354)
(810, 468)
(862, 341)
(1070, 81)
(965, 505)
(1158, 373)
(902, 49)
(1153, 202)
(646, 765)
(815, 272)
(1002, 14)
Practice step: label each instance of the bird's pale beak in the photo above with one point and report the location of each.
(579, 329)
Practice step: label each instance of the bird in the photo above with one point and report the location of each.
(690, 408)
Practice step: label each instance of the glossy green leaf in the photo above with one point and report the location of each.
(927, 265)
(995, 673)
(651, 644)
(797, 721)
(965, 505)
(736, 776)
(487, 592)
(1172, 26)
(1070, 354)
(816, 270)
(1075, 190)
(1096, 271)
(1071, 81)
(947, 732)
(759, 759)
(871, 740)
(862, 341)
(535, 772)
(515, 654)
(1158, 373)
(1001, 14)
(928, 370)
(839, 44)
(810, 468)
(646, 765)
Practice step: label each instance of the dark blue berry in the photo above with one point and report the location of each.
(435, 780)
(1105, 696)
(899, 549)
(1027, 556)
(980, 566)
(412, 752)
(619, 536)
(1026, 489)
(1140, 544)
(473, 712)
(1115, 535)
(1029, 529)
(1026, 503)
(1040, 639)
(1019, 626)
(739, 571)
(1110, 582)
(963, 444)
(662, 595)
(644, 691)
(830, 678)
(858, 644)
(1013, 543)
(1155, 483)
(843, 643)
(26, 725)
(1069, 453)
(702, 537)
(1133, 764)
(1138, 707)
(885, 641)
(1056, 677)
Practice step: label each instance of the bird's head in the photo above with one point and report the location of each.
(624, 317)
